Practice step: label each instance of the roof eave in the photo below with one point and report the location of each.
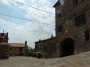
(56, 3)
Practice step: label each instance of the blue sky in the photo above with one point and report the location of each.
(21, 30)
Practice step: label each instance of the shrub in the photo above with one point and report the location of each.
(39, 54)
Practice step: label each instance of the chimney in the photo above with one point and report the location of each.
(3, 31)
(52, 36)
(39, 39)
(25, 43)
(7, 38)
(7, 33)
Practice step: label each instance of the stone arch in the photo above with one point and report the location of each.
(67, 47)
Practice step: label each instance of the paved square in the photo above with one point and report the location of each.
(80, 60)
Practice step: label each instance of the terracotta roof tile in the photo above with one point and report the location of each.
(17, 44)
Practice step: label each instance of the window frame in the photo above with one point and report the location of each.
(80, 20)
(59, 28)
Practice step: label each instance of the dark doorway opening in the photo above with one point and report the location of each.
(67, 47)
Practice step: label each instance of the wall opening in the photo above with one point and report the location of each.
(67, 47)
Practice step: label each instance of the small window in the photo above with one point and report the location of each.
(87, 35)
(79, 20)
(60, 28)
(59, 15)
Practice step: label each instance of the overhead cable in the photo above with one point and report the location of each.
(23, 18)
(32, 7)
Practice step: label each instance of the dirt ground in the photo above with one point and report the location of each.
(80, 60)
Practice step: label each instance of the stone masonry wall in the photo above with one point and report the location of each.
(77, 33)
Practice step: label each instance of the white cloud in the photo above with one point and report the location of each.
(28, 31)
(6, 2)
(18, 33)
(31, 31)
(9, 2)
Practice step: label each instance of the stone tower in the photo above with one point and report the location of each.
(72, 27)
(4, 37)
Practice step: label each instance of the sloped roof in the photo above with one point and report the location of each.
(56, 3)
(45, 40)
(4, 44)
(17, 44)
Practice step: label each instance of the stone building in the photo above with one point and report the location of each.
(4, 37)
(72, 27)
(4, 46)
(17, 49)
(46, 46)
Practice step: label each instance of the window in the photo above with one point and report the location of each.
(59, 15)
(59, 12)
(79, 20)
(77, 1)
(60, 28)
(86, 36)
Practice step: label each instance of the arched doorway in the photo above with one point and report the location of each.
(67, 47)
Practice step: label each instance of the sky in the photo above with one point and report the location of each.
(33, 25)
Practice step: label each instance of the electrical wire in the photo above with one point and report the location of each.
(22, 18)
(32, 7)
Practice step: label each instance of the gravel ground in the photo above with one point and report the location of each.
(80, 60)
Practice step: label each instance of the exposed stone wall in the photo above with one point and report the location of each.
(67, 20)
(4, 50)
(46, 46)
(15, 51)
(3, 37)
(77, 33)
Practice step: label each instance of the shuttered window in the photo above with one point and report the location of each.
(60, 28)
(80, 20)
